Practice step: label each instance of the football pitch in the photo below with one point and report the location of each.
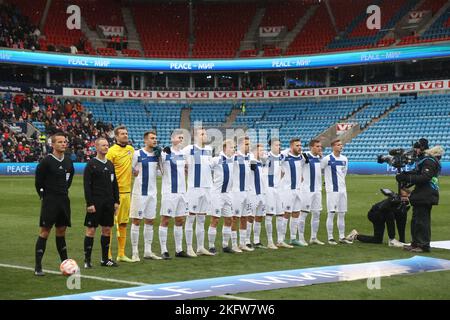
(19, 214)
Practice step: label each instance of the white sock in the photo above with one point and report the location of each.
(315, 220)
(163, 238)
(226, 235)
(280, 235)
(135, 238)
(178, 235)
(293, 227)
(242, 236)
(148, 237)
(249, 232)
(256, 232)
(268, 223)
(212, 231)
(330, 224)
(189, 230)
(234, 238)
(341, 224)
(285, 223)
(301, 225)
(200, 231)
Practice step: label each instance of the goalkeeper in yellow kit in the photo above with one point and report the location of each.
(121, 155)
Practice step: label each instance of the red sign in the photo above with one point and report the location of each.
(139, 94)
(352, 90)
(197, 95)
(225, 95)
(403, 86)
(84, 92)
(112, 93)
(304, 93)
(279, 93)
(168, 94)
(378, 88)
(424, 85)
(253, 94)
(328, 91)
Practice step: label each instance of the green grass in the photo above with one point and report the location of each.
(19, 213)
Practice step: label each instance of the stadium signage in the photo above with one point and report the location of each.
(270, 31)
(112, 30)
(416, 52)
(203, 288)
(262, 94)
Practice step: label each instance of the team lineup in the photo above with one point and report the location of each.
(244, 184)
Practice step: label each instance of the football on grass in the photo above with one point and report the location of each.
(68, 267)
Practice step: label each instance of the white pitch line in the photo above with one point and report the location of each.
(107, 279)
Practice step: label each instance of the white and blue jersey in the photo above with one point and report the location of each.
(147, 164)
(257, 178)
(273, 168)
(292, 168)
(199, 162)
(312, 174)
(335, 171)
(222, 173)
(241, 173)
(173, 169)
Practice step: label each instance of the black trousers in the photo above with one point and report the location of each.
(378, 233)
(421, 227)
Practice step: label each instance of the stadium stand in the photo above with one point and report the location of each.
(424, 116)
(168, 33)
(58, 37)
(220, 27)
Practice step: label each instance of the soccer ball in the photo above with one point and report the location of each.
(69, 267)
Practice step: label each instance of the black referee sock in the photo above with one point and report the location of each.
(61, 247)
(88, 244)
(41, 243)
(105, 247)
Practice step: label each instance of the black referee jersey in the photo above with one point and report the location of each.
(54, 176)
(100, 182)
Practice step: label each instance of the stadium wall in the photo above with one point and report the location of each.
(355, 167)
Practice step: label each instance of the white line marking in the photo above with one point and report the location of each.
(107, 279)
(223, 285)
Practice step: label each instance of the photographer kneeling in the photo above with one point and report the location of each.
(423, 197)
(390, 212)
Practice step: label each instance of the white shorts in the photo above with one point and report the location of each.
(143, 207)
(311, 201)
(291, 200)
(221, 205)
(174, 205)
(199, 200)
(337, 201)
(241, 203)
(274, 205)
(258, 205)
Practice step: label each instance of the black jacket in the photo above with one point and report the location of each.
(426, 191)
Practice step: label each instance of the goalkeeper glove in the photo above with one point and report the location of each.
(157, 151)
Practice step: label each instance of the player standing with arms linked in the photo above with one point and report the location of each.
(143, 200)
(335, 167)
(121, 156)
(173, 189)
(199, 161)
(101, 192)
(53, 179)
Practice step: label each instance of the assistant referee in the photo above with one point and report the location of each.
(101, 192)
(54, 176)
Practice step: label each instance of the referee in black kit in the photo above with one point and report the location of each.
(54, 176)
(102, 201)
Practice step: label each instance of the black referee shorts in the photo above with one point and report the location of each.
(104, 215)
(55, 210)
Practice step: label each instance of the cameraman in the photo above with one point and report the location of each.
(423, 197)
(390, 212)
